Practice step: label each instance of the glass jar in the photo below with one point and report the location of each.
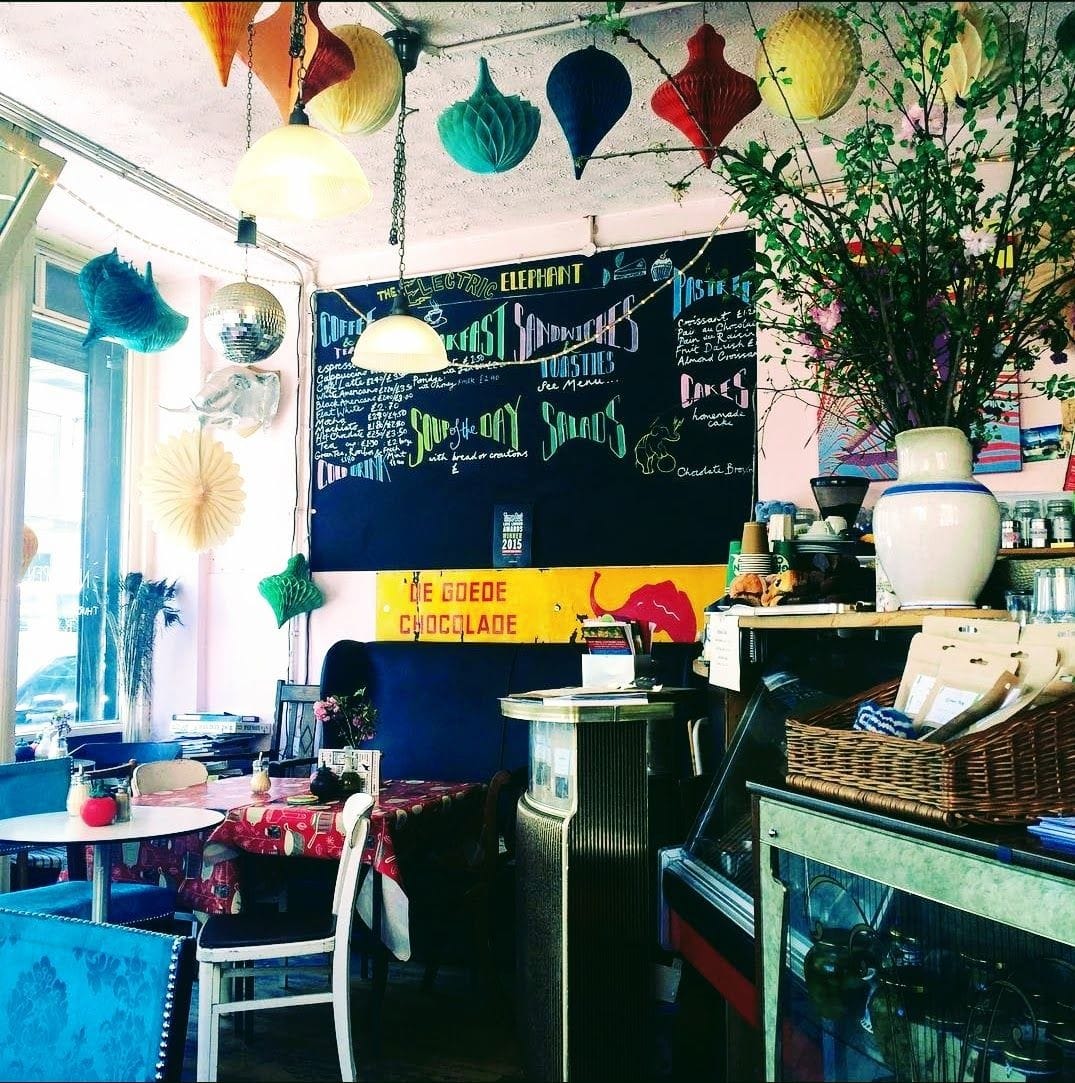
(1026, 511)
(1061, 520)
(1039, 533)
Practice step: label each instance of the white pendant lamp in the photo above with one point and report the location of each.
(297, 172)
(400, 343)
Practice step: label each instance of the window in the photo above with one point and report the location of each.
(74, 456)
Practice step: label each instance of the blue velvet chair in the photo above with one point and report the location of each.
(41, 786)
(25, 788)
(115, 753)
(84, 1001)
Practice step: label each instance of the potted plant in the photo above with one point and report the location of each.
(145, 606)
(909, 261)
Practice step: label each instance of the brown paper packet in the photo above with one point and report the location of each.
(960, 684)
(926, 655)
(987, 710)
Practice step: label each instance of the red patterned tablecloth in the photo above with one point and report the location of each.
(409, 816)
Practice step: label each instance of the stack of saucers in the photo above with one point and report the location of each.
(759, 563)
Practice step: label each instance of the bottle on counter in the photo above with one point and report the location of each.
(77, 792)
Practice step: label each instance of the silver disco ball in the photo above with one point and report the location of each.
(244, 323)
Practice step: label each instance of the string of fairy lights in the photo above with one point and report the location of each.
(575, 347)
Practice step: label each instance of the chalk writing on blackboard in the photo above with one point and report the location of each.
(653, 410)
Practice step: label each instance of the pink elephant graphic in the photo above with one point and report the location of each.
(658, 607)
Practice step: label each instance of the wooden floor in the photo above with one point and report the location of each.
(454, 1032)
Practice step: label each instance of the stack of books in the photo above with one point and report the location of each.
(221, 735)
(1057, 832)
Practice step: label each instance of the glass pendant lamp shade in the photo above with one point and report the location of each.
(299, 173)
(400, 343)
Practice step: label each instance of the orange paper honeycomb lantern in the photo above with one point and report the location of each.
(327, 58)
(223, 26)
(808, 64)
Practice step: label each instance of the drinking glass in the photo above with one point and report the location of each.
(1064, 594)
(1044, 611)
(1019, 603)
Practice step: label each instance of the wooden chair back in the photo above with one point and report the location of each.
(296, 736)
(168, 775)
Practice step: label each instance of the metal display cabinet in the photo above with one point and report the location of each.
(889, 950)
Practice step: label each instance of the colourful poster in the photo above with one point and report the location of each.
(544, 605)
(845, 447)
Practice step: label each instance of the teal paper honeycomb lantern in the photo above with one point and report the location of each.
(489, 132)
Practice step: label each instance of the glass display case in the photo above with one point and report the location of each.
(893, 951)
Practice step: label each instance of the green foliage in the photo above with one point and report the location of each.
(942, 253)
(144, 605)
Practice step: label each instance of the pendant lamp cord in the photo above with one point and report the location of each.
(398, 232)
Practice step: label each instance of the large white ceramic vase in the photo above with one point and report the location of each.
(936, 529)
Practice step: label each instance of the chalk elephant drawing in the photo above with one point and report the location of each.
(658, 607)
(652, 453)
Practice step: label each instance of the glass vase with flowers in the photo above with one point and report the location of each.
(346, 720)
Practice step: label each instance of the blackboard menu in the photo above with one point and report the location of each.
(611, 396)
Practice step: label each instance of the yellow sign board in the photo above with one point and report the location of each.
(544, 605)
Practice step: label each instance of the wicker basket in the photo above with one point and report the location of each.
(1011, 773)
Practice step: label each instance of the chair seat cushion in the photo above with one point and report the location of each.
(272, 927)
(129, 903)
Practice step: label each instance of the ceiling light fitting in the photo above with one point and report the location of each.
(298, 172)
(399, 342)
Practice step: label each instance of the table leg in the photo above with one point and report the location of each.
(102, 875)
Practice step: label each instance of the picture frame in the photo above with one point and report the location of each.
(365, 762)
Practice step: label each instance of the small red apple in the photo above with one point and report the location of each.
(99, 810)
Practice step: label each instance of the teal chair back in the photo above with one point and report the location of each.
(34, 786)
(86, 1001)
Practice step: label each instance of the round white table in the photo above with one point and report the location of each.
(58, 828)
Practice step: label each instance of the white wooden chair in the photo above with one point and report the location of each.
(168, 775)
(230, 943)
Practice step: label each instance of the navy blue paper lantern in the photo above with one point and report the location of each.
(589, 90)
(489, 132)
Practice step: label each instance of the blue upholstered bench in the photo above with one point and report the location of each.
(439, 703)
(82, 1001)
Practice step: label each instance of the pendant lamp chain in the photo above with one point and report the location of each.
(297, 50)
(398, 232)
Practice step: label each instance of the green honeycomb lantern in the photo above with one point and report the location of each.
(489, 132)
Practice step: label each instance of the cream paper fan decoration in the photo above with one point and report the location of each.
(193, 490)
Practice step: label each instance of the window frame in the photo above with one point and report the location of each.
(56, 338)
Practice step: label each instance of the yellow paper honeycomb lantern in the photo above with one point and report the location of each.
(816, 59)
(981, 53)
(366, 100)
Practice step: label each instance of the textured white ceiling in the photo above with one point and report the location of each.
(138, 79)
